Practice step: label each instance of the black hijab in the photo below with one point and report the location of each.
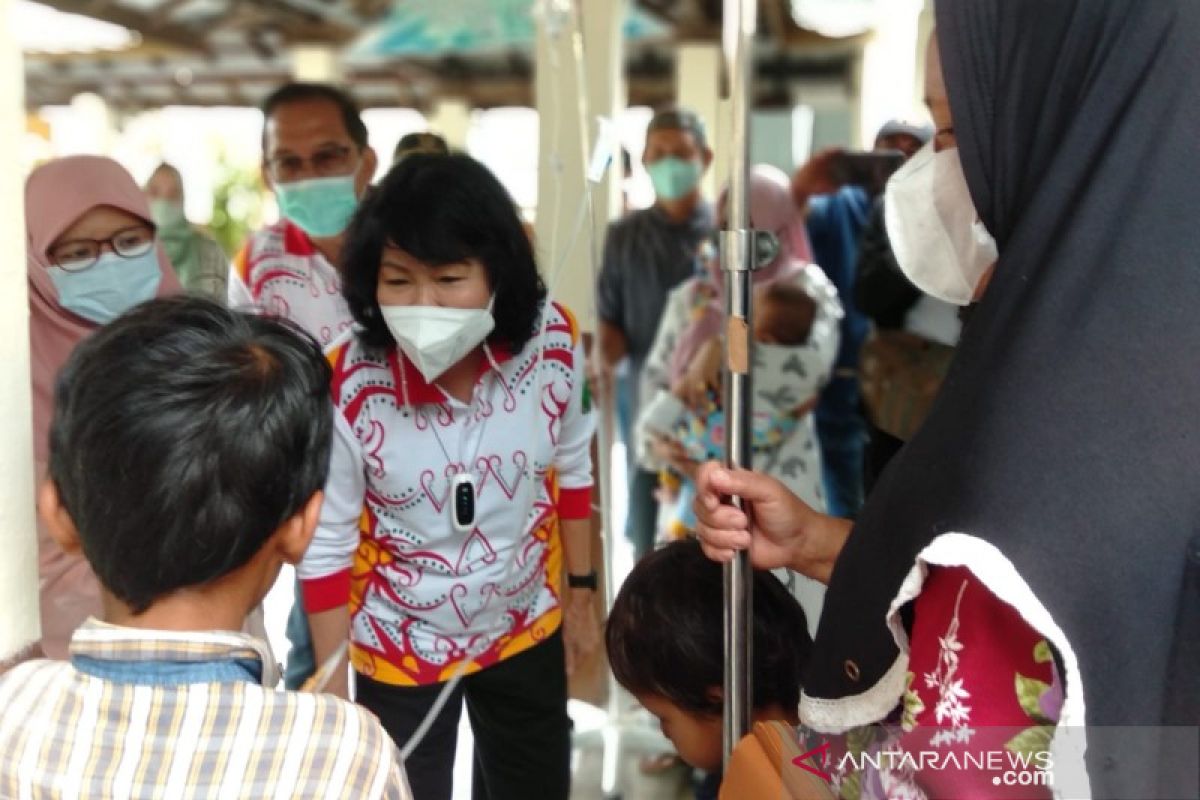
(1066, 432)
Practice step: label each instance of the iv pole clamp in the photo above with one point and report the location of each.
(738, 258)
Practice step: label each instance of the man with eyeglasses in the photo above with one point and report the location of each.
(318, 164)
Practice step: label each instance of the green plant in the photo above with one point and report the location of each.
(238, 204)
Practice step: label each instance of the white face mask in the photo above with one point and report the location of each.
(935, 232)
(435, 338)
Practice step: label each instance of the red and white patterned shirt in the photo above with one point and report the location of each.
(422, 596)
(281, 272)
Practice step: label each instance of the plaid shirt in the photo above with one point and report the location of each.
(160, 714)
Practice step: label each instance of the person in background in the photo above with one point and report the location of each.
(646, 255)
(837, 215)
(930, 326)
(199, 262)
(163, 696)
(626, 179)
(91, 254)
(684, 365)
(317, 162)
(793, 364)
(904, 135)
(678, 677)
(420, 142)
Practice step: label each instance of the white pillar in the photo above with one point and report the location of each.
(316, 63)
(698, 88)
(604, 56)
(889, 69)
(451, 118)
(565, 144)
(18, 537)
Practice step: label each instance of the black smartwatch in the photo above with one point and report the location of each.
(588, 581)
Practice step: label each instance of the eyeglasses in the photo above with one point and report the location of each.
(76, 255)
(325, 163)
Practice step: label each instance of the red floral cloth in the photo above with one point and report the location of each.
(978, 715)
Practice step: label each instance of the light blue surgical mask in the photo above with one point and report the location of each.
(322, 207)
(674, 177)
(108, 288)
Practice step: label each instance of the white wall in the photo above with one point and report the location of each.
(18, 538)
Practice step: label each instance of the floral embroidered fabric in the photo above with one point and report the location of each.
(983, 696)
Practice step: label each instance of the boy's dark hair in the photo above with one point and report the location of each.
(665, 633)
(442, 209)
(297, 92)
(184, 435)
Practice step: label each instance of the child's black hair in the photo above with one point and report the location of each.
(184, 435)
(665, 633)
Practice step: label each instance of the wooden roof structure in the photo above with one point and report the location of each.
(233, 52)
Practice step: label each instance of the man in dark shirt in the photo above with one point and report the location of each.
(646, 254)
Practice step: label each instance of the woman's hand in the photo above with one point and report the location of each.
(674, 454)
(581, 629)
(781, 531)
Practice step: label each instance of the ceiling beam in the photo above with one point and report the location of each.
(176, 36)
(341, 25)
(162, 13)
(257, 40)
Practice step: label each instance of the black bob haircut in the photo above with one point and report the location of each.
(665, 634)
(441, 209)
(307, 92)
(184, 435)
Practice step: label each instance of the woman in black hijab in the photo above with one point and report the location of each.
(1058, 465)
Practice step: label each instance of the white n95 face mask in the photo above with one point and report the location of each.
(935, 232)
(435, 338)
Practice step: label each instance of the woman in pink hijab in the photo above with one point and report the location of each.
(771, 209)
(91, 255)
(795, 319)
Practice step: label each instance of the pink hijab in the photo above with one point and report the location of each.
(771, 209)
(57, 194)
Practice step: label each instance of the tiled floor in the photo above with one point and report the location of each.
(639, 738)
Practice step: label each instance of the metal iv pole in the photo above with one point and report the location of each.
(737, 260)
